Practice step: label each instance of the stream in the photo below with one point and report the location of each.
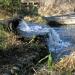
(58, 39)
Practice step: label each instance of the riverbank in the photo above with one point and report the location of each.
(18, 50)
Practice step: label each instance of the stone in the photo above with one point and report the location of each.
(8, 73)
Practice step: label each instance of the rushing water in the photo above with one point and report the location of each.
(55, 42)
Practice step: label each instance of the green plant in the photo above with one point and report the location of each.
(3, 36)
(10, 5)
(50, 61)
(2, 41)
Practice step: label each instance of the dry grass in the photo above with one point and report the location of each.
(66, 66)
(4, 15)
(12, 41)
(35, 19)
(56, 9)
(67, 63)
(7, 39)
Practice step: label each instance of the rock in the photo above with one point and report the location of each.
(8, 73)
(19, 65)
(68, 19)
(15, 70)
(54, 24)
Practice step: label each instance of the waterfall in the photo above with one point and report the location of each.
(54, 43)
(23, 26)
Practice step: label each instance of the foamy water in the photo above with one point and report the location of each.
(54, 42)
(23, 26)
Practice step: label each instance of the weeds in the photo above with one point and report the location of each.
(50, 61)
(3, 36)
(35, 19)
(6, 39)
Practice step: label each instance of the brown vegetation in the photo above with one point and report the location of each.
(57, 7)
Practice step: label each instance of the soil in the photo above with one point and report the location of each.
(26, 56)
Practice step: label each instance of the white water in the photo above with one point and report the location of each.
(54, 42)
(23, 26)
